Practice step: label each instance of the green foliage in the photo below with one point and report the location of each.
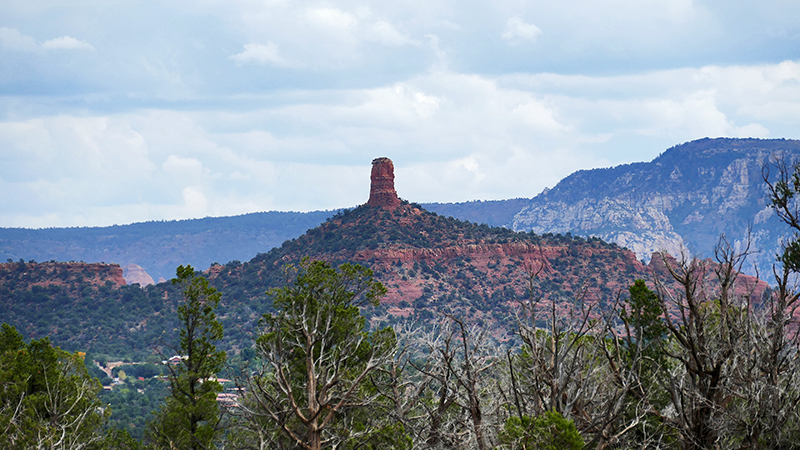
(645, 316)
(392, 436)
(132, 404)
(147, 370)
(190, 419)
(84, 313)
(783, 193)
(645, 352)
(550, 431)
(116, 439)
(319, 356)
(47, 398)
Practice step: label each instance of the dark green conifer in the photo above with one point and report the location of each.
(190, 419)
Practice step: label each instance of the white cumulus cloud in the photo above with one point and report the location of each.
(13, 39)
(183, 168)
(332, 18)
(261, 54)
(66, 43)
(195, 202)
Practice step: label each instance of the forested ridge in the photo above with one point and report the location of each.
(317, 377)
(430, 264)
(160, 246)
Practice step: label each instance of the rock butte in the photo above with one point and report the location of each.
(381, 190)
(134, 273)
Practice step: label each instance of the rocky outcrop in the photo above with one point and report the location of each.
(681, 201)
(24, 275)
(135, 274)
(641, 226)
(381, 190)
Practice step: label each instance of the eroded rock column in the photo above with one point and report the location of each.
(381, 191)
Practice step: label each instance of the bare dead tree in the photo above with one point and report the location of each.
(401, 387)
(766, 385)
(712, 321)
(590, 365)
(457, 371)
(437, 349)
(623, 414)
(555, 363)
(471, 376)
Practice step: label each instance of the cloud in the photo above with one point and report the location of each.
(412, 100)
(453, 137)
(332, 18)
(540, 116)
(754, 130)
(183, 169)
(472, 102)
(387, 34)
(66, 43)
(195, 202)
(517, 31)
(261, 54)
(61, 165)
(12, 39)
(336, 36)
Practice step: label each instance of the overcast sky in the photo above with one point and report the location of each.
(120, 111)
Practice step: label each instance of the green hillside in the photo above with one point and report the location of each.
(429, 263)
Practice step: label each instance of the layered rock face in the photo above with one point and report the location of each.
(381, 191)
(680, 202)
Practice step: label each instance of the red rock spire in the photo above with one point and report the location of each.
(381, 191)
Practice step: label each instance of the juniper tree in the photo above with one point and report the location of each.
(313, 389)
(190, 418)
(47, 397)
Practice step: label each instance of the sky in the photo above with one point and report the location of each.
(122, 111)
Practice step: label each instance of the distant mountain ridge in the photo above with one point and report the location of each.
(686, 197)
(159, 247)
